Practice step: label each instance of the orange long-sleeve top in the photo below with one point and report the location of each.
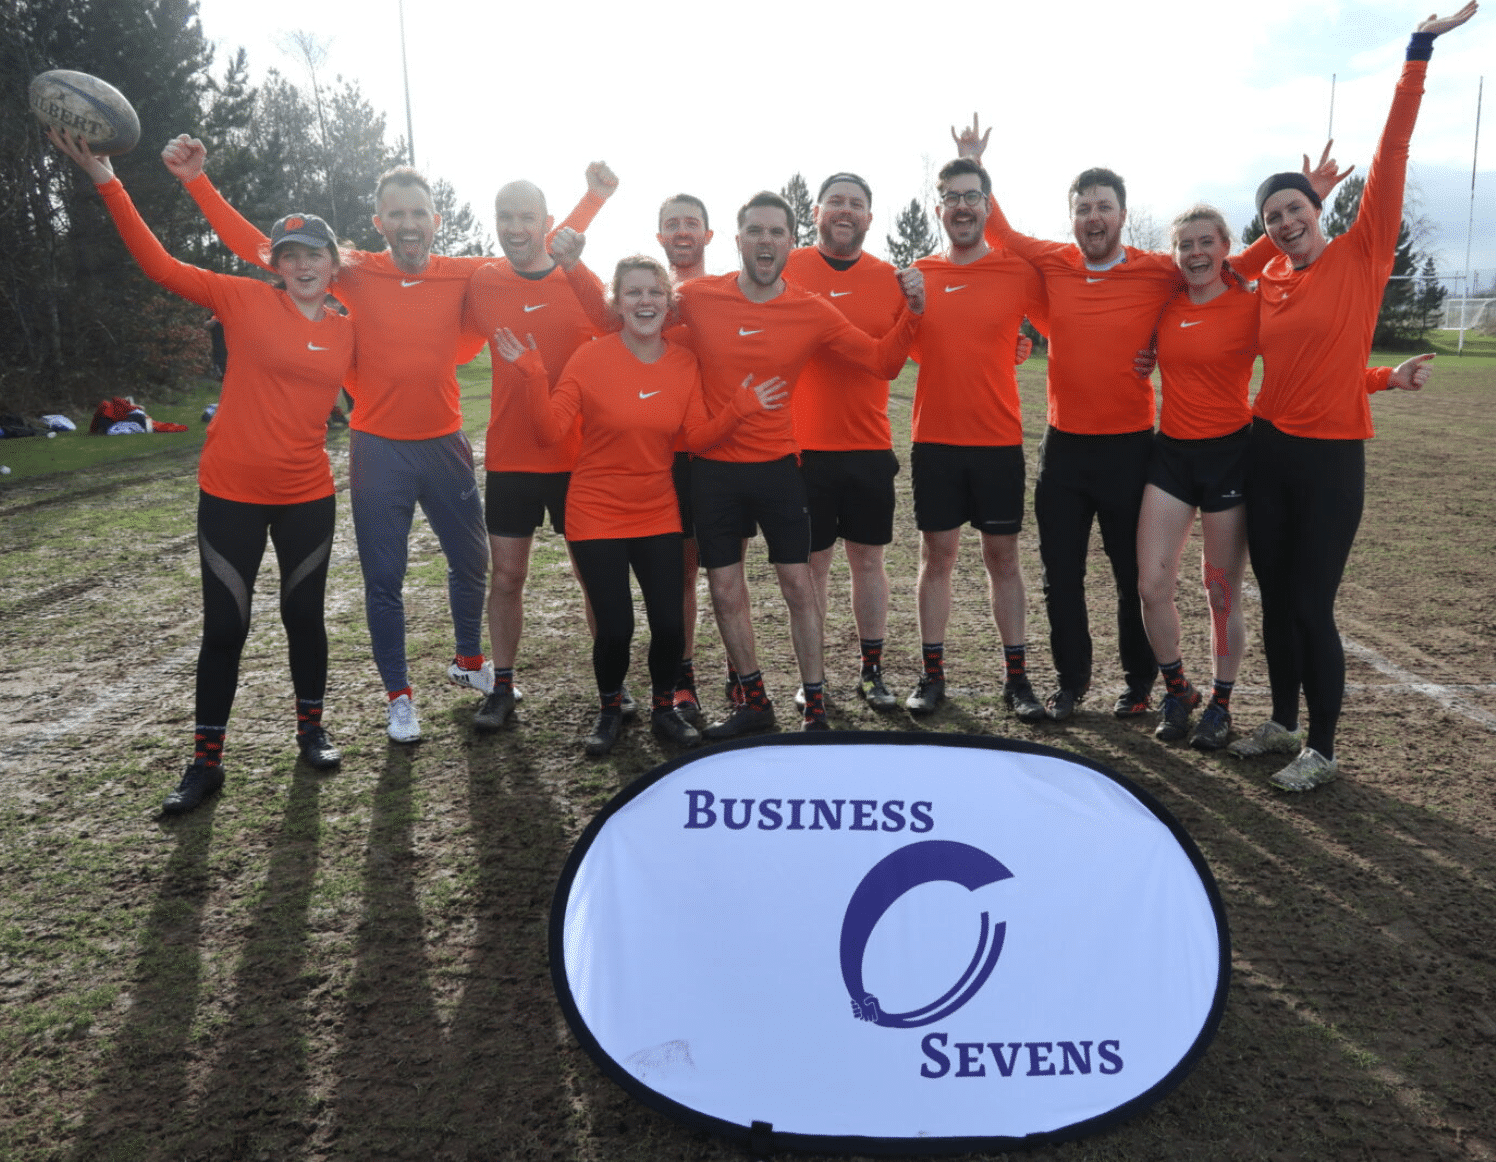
(837, 405)
(1317, 323)
(630, 413)
(563, 311)
(1099, 320)
(267, 441)
(737, 339)
(1205, 357)
(408, 328)
(967, 392)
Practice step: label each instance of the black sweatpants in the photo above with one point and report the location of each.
(1304, 501)
(1084, 479)
(231, 543)
(604, 567)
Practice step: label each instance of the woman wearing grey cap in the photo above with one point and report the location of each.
(1306, 461)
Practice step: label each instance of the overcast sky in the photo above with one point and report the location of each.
(1188, 102)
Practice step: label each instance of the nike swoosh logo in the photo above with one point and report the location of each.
(1095, 280)
(536, 307)
(744, 331)
(949, 289)
(840, 294)
(647, 394)
(1191, 322)
(411, 281)
(314, 347)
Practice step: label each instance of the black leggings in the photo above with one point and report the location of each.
(230, 543)
(1304, 501)
(604, 566)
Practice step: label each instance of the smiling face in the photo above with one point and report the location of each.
(843, 218)
(306, 270)
(1097, 216)
(683, 234)
(1292, 223)
(641, 296)
(764, 241)
(1200, 247)
(964, 209)
(522, 224)
(408, 221)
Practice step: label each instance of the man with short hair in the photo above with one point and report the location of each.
(539, 290)
(1104, 301)
(745, 327)
(684, 233)
(967, 459)
(406, 445)
(841, 421)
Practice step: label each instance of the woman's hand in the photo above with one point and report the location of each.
(507, 344)
(98, 168)
(1324, 177)
(1438, 27)
(185, 158)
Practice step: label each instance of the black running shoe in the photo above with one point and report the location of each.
(1133, 702)
(1019, 697)
(197, 784)
(1174, 719)
(670, 726)
(741, 720)
(1213, 729)
(870, 689)
(605, 732)
(1061, 705)
(927, 696)
(317, 749)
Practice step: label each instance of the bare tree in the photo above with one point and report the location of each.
(1143, 230)
(310, 51)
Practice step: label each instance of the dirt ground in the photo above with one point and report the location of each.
(353, 966)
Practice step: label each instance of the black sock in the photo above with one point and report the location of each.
(1173, 675)
(207, 748)
(1221, 694)
(934, 656)
(872, 655)
(1016, 660)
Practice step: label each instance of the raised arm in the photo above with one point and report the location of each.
(188, 281)
(602, 183)
(186, 157)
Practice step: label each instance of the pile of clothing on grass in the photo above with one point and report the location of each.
(120, 415)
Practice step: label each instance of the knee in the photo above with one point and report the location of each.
(1156, 587)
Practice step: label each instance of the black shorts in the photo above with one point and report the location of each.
(680, 472)
(515, 503)
(1206, 474)
(726, 494)
(850, 495)
(955, 484)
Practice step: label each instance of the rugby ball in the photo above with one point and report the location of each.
(88, 107)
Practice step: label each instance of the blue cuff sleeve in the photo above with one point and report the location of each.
(1421, 47)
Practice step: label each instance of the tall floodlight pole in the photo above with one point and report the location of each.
(1330, 131)
(410, 130)
(1470, 225)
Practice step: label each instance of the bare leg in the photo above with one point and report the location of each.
(806, 631)
(1224, 563)
(869, 590)
(1005, 587)
(937, 557)
(506, 601)
(1163, 526)
(728, 586)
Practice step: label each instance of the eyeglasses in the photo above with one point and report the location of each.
(954, 199)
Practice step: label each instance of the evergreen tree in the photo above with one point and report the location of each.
(461, 233)
(797, 194)
(915, 238)
(1431, 295)
(1251, 232)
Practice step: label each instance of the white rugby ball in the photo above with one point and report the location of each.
(80, 104)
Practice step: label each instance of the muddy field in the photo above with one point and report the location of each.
(352, 966)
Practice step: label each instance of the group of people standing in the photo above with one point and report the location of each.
(661, 425)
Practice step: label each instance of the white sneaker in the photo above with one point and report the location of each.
(1269, 738)
(404, 725)
(1307, 771)
(480, 679)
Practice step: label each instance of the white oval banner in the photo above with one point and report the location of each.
(890, 943)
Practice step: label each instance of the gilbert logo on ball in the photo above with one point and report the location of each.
(80, 104)
(890, 943)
